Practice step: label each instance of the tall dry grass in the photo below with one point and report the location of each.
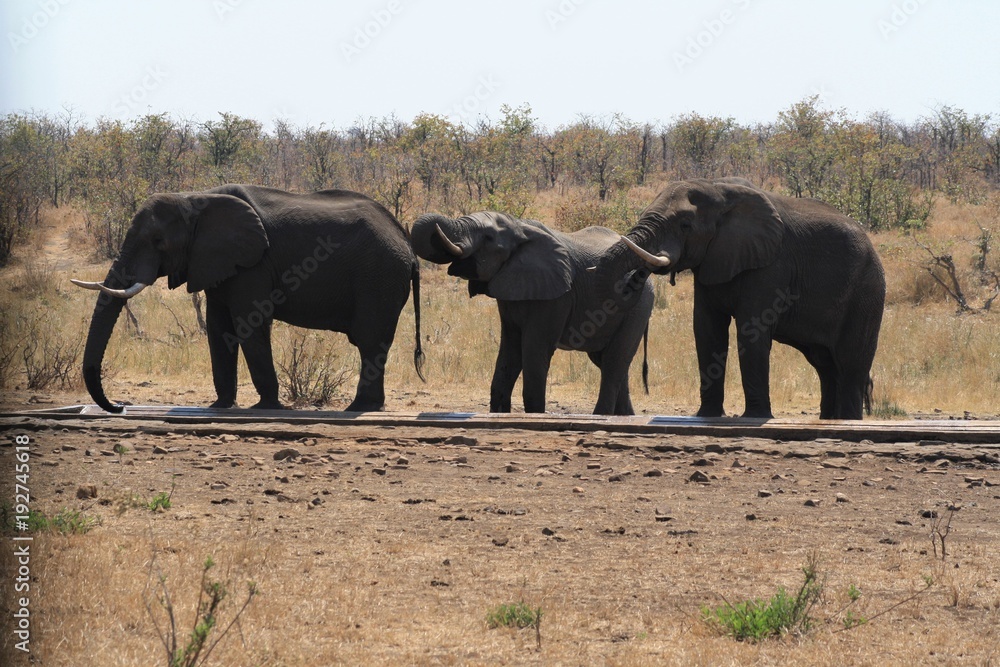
(929, 358)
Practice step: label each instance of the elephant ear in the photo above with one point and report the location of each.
(748, 236)
(228, 234)
(539, 269)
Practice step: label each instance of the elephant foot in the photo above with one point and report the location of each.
(757, 414)
(268, 405)
(224, 404)
(710, 412)
(361, 406)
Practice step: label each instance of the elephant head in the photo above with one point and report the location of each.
(198, 239)
(502, 257)
(717, 229)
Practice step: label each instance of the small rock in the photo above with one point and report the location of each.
(403, 461)
(378, 471)
(738, 464)
(813, 502)
(511, 468)
(317, 501)
(286, 453)
(616, 478)
(577, 489)
(500, 541)
(466, 440)
(841, 498)
(228, 437)
(653, 473)
(703, 462)
(219, 486)
(548, 531)
(764, 493)
(86, 491)
(890, 487)
(90, 453)
(699, 477)
(68, 448)
(108, 452)
(156, 450)
(751, 517)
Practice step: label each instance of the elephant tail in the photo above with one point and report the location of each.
(418, 352)
(869, 390)
(645, 364)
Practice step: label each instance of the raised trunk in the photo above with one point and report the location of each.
(102, 324)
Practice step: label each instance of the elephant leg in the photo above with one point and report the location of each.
(850, 395)
(614, 398)
(507, 370)
(711, 335)
(370, 394)
(223, 347)
(755, 369)
(536, 359)
(821, 360)
(257, 352)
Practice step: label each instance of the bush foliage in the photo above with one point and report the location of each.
(878, 170)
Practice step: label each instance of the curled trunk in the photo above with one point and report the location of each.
(106, 314)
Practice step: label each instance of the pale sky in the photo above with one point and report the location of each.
(336, 62)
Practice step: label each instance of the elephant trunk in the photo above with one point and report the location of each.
(106, 314)
(621, 273)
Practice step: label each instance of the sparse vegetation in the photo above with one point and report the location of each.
(65, 522)
(756, 620)
(196, 646)
(306, 371)
(514, 615)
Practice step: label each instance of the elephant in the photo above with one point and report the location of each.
(333, 260)
(791, 270)
(546, 299)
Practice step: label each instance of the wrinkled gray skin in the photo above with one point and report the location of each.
(790, 270)
(332, 260)
(547, 300)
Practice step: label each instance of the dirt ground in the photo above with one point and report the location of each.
(382, 545)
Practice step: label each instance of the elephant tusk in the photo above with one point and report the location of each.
(646, 256)
(120, 293)
(86, 285)
(452, 248)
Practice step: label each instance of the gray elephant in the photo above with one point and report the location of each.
(546, 297)
(790, 270)
(333, 260)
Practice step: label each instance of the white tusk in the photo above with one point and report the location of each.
(86, 285)
(452, 248)
(649, 258)
(120, 293)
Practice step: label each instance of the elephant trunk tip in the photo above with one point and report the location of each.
(92, 379)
